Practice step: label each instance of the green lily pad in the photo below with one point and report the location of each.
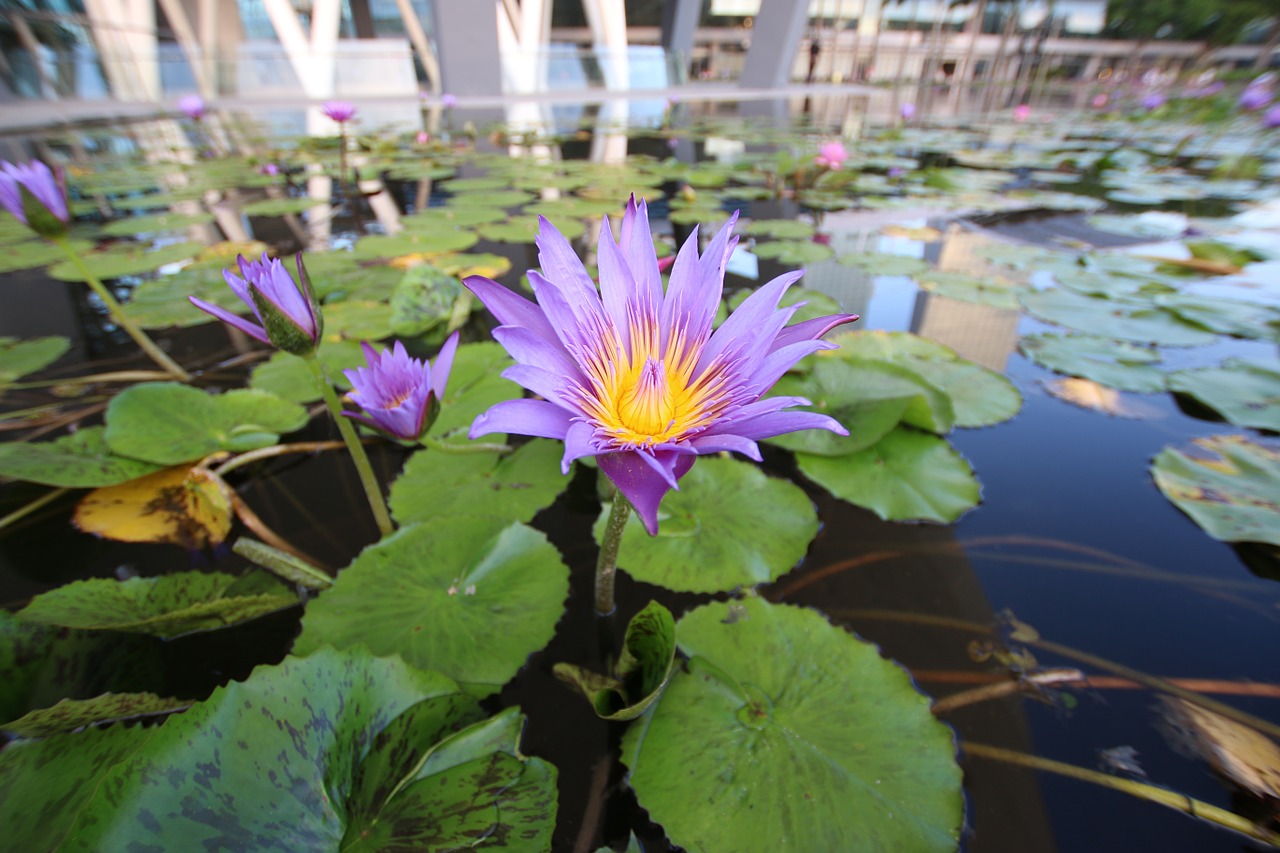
(1230, 487)
(1224, 316)
(648, 655)
(878, 264)
(574, 207)
(323, 753)
(515, 486)
(162, 302)
(357, 320)
(35, 253)
(708, 217)
(288, 377)
(780, 229)
(979, 397)
(729, 525)
(968, 288)
(1124, 319)
(423, 299)
(426, 242)
(523, 229)
(156, 222)
(887, 346)
(470, 597)
(467, 185)
(453, 217)
(907, 475)
(794, 252)
(1113, 363)
(165, 606)
(71, 714)
(124, 259)
(799, 731)
(79, 460)
(20, 357)
(490, 198)
(1246, 393)
(167, 423)
(280, 206)
(475, 385)
(339, 276)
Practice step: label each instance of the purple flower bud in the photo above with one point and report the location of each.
(340, 111)
(1272, 118)
(36, 195)
(288, 313)
(1152, 102)
(400, 395)
(270, 169)
(192, 106)
(907, 111)
(1254, 98)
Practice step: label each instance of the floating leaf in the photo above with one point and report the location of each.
(71, 714)
(779, 229)
(1125, 319)
(889, 346)
(523, 229)
(1231, 487)
(79, 460)
(1088, 394)
(907, 475)
(129, 226)
(979, 397)
(35, 253)
(515, 486)
(432, 242)
(472, 597)
(648, 654)
(490, 198)
(297, 757)
(728, 525)
(20, 357)
(423, 300)
(166, 606)
(1114, 363)
(124, 259)
(885, 264)
(163, 301)
(453, 217)
(969, 288)
(794, 252)
(802, 733)
(280, 206)
(475, 385)
(181, 506)
(168, 423)
(288, 377)
(357, 320)
(1246, 393)
(1224, 316)
(1240, 753)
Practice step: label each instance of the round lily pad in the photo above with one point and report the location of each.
(162, 301)
(280, 206)
(453, 217)
(780, 229)
(889, 346)
(156, 222)
(79, 460)
(1128, 367)
(288, 377)
(795, 252)
(1229, 485)
(435, 241)
(475, 384)
(799, 731)
(968, 288)
(124, 259)
(357, 320)
(469, 597)
(979, 397)
(729, 525)
(523, 229)
(1133, 320)
(35, 253)
(20, 357)
(1246, 393)
(907, 475)
(1224, 316)
(877, 264)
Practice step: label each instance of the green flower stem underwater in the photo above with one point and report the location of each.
(607, 564)
(372, 490)
(158, 355)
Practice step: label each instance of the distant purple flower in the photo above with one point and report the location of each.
(448, 101)
(43, 205)
(1021, 112)
(340, 111)
(907, 111)
(400, 395)
(1211, 89)
(831, 155)
(634, 375)
(896, 171)
(1100, 100)
(192, 106)
(423, 137)
(1272, 118)
(270, 169)
(1254, 98)
(287, 313)
(1153, 101)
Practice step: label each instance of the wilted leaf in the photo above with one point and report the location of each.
(180, 505)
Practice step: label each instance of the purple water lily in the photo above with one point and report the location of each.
(400, 395)
(288, 315)
(448, 101)
(192, 106)
(1272, 118)
(634, 375)
(1255, 97)
(1153, 101)
(44, 207)
(339, 111)
(907, 111)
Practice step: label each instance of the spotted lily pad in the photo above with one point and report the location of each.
(165, 606)
(180, 505)
(423, 299)
(1246, 393)
(799, 732)
(1128, 367)
(907, 475)
(729, 525)
(167, 423)
(79, 460)
(71, 714)
(642, 671)
(1229, 485)
(20, 357)
(470, 597)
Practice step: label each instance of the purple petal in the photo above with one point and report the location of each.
(510, 308)
(522, 417)
(640, 482)
(743, 329)
(779, 361)
(250, 329)
(10, 197)
(623, 302)
(636, 242)
(777, 423)
(546, 384)
(579, 441)
(561, 266)
(529, 348)
(579, 327)
(809, 330)
(443, 365)
(716, 443)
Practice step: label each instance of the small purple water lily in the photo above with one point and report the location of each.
(400, 395)
(1272, 118)
(36, 195)
(907, 111)
(340, 111)
(1153, 102)
(448, 101)
(192, 106)
(1255, 97)
(635, 376)
(288, 315)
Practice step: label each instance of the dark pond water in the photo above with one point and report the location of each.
(1071, 535)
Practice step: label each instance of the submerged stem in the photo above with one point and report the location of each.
(148, 346)
(1163, 796)
(372, 489)
(607, 564)
(23, 511)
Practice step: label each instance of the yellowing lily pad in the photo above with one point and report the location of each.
(179, 506)
(1229, 485)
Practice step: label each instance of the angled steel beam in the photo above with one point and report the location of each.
(774, 40)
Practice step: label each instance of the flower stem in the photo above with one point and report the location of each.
(372, 489)
(469, 447)
(607, 564)
(158, 355)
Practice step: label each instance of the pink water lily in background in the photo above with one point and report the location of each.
(633, 374)
(339, 111)
(192, 106)
(831, 155)
(287, 314)
(46, 187)
(400, 395)
(1021, 112)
